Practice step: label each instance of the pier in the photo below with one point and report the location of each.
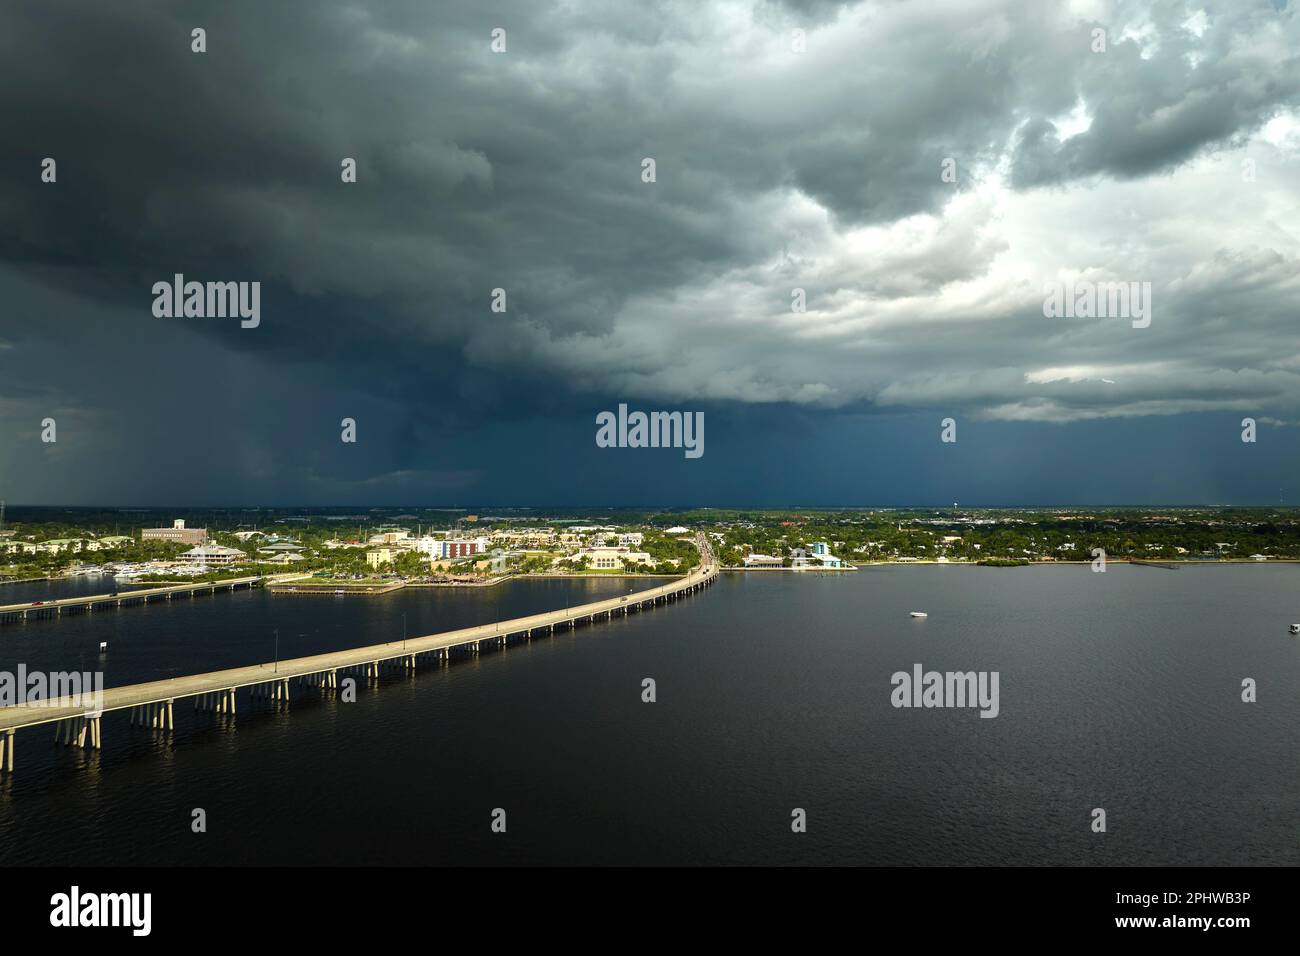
(56, 607)
(152, 705)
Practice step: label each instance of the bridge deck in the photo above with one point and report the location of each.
(126, 595)
(136, 695)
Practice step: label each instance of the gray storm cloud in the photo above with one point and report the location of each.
(777, 170)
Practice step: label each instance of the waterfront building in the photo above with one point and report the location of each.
(819, 556)
(428, 545)
(462, 547)
(59, 545)
(213, 555)
(285, 557)
(607, 559)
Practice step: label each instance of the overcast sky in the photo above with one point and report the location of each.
(1170, 157)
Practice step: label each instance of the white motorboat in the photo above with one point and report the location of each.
(919, 614)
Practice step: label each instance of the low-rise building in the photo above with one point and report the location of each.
(59, 545)
(613, 558)
(380, 556)
(285, 557)
(281, 547)
(213, 555)
(390, 536)
(819, 556)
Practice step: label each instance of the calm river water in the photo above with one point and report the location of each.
(1119, 690)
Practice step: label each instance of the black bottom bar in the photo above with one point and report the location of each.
(975, 906)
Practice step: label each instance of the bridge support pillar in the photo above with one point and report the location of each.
(74, 731)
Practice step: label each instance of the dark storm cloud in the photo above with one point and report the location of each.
(776, 170)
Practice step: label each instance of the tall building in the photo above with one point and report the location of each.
(462, 547)
(177, 532)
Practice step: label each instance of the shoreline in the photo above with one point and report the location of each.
(1170, 564)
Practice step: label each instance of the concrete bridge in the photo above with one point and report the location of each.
(153, 704)
(11, 613)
